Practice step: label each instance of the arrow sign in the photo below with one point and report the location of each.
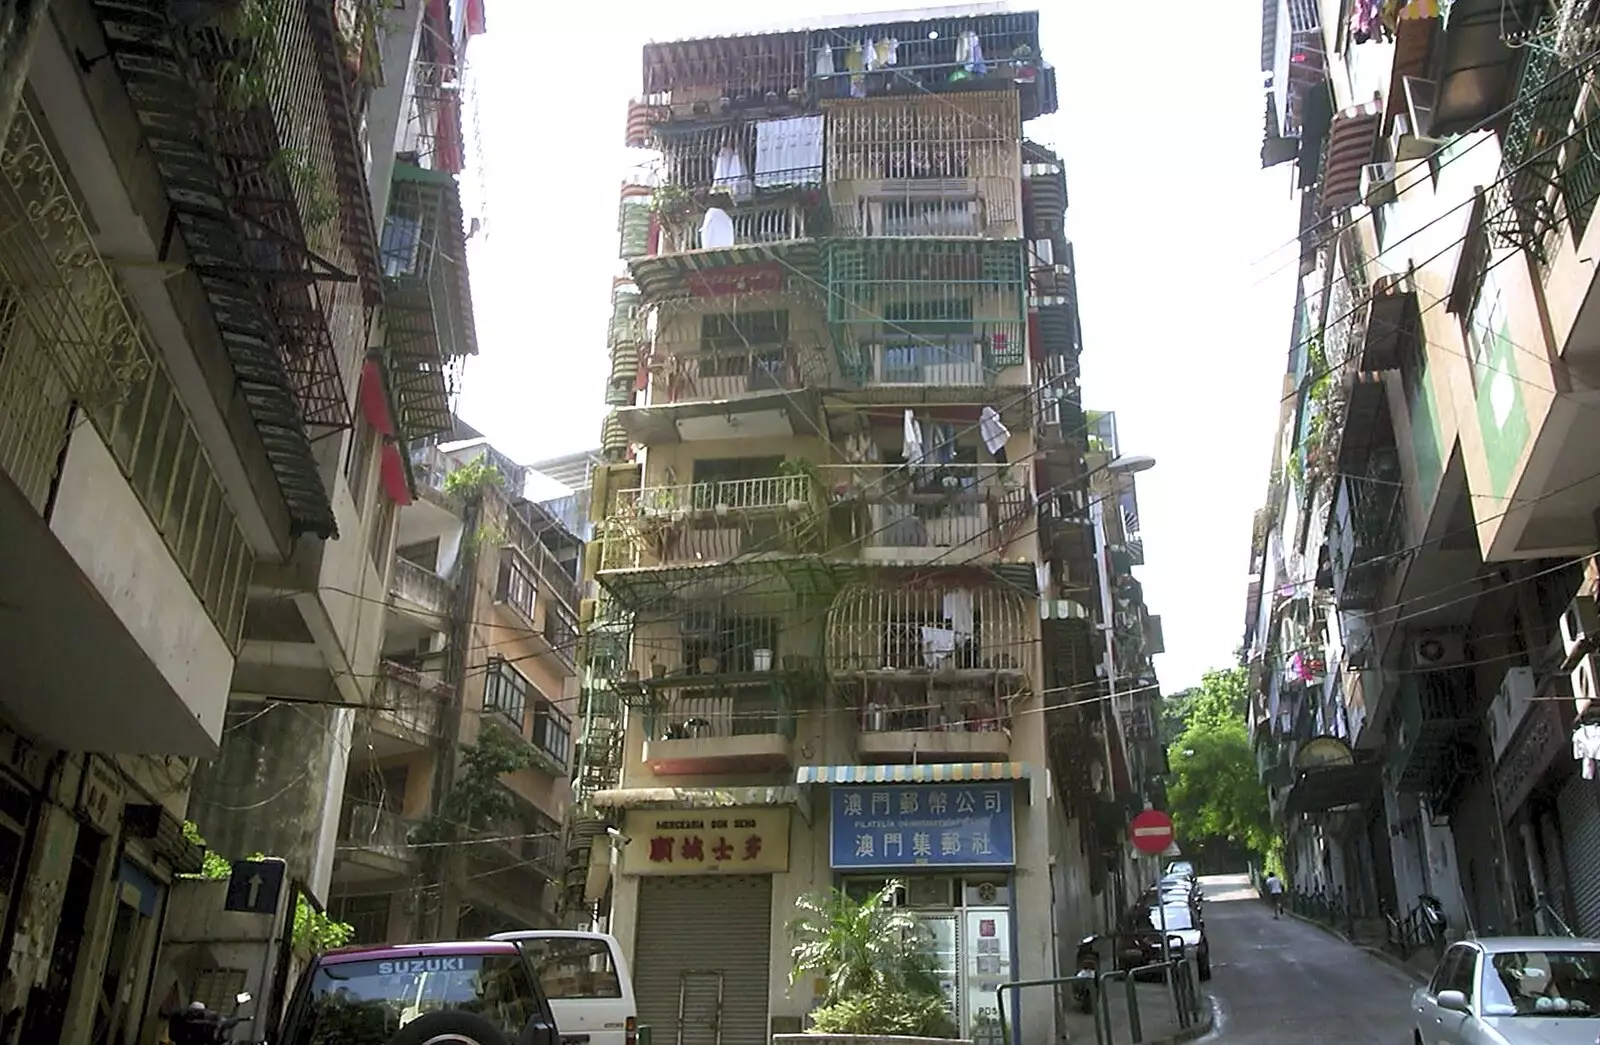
(1151, 831)
(255, 887)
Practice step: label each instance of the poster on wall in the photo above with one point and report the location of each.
(706, 841)
(922, 825)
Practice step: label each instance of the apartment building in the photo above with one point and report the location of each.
(476, 694)
(209, 372)
(1421, 616)
(844, 373)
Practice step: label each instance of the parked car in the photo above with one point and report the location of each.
(469, 993)
(1181, 867)
(1181, 922)
(586, 979)
(1512, 990)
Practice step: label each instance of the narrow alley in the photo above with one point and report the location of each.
(1286, 982)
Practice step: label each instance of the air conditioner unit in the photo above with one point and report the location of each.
(1377, 184)
(1517, 691)
(1580, 629)
(1585, 683)
(1432, 650)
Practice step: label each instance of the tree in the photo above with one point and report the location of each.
(1216, 797)
(877, 961)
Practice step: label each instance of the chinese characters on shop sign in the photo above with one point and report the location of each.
(955, 825)
(739, 841)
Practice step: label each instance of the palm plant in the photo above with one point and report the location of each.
(877, 962)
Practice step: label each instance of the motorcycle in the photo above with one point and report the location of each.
(1434, 919)
(1083, 986)
(198, 1025)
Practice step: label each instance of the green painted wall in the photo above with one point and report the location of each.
(1497, 387)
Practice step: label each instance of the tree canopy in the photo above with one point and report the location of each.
(1215, 795)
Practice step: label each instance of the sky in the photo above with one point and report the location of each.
(1184, 249)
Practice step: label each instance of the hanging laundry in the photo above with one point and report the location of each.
(942, 440)
(994, 432)
(716, 229)
(915, 450)
(789, 152)
(958, 611)
(855, 60)
(729, 174)
(969, 53)
(886, 52)
(824, 66)
(938, 646)
(1586, 748)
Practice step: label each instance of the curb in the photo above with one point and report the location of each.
(1379, 953)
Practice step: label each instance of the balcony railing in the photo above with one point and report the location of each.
(409, 701)
(914, 720)
(877, 632)
(722, 498)
(372, 828)
(688, 715)
(768, 223)
(959, 510)
(696, 377)
(420, 586)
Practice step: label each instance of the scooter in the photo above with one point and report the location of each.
(198, 1025)
(1083, 986)
(1434, 918)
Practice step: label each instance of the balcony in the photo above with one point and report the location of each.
(1427, 753)
(373, 841)
(268, 198)
(725, 376)
(739, 725)
(428, 304)
(410, 707)
(718, 500)
(693, 228)
(935, 513)
(944, 633)
(419, 590)
(1366, 528)
(933, 720)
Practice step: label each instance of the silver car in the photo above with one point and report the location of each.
(1512, 990)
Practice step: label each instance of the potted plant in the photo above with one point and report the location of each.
(876, 961)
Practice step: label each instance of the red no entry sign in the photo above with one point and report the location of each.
(1151, 831)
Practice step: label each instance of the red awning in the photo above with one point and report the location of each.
(374, 400)
(1352, 142)
(477, 24)
(393, 473)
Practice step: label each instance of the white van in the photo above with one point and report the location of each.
(587, 981)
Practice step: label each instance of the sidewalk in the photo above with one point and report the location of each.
(1158, 1018)
(1419, 965)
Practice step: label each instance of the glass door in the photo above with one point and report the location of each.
(946, 955)
(986, 965)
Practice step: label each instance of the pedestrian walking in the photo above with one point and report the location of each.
(1274, 886)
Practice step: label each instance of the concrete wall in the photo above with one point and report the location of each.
(100, 521)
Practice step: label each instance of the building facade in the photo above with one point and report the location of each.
(1421, 616)
(211, 364)
(844, 380)
(480, 638)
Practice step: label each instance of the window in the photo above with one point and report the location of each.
(552, 732)
(560, 630)
(358, 465)
(517, 586)
(573, 967)
(506, 690)
(727, 332)
(730, 643)
(378, 537)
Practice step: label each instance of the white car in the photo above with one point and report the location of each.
(586, 979)
(1512, 990)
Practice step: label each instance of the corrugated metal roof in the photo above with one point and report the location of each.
(848, 21)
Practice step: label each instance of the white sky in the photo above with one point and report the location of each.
(1185, 326)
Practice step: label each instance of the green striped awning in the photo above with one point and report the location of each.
(934, 773)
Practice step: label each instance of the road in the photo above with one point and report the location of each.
(1286, 982)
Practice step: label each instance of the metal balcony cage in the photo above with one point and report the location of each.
(934, 54)
(428, 306)
(434, 136)
(743, 159)
(980, 628)
(747, 70)
(723, 354)
(914, 304)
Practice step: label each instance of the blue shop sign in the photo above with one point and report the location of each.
(922, 825)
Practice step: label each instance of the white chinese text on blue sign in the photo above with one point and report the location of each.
(922, 825)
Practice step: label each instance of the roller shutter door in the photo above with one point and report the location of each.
(704, 941)
(1579, 808)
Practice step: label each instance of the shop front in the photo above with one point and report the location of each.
(953, 844)
(702, 938)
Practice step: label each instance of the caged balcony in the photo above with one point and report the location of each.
(948, 513)
(737, 727)
(928, 312)
(409, 707)
(926, 166)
